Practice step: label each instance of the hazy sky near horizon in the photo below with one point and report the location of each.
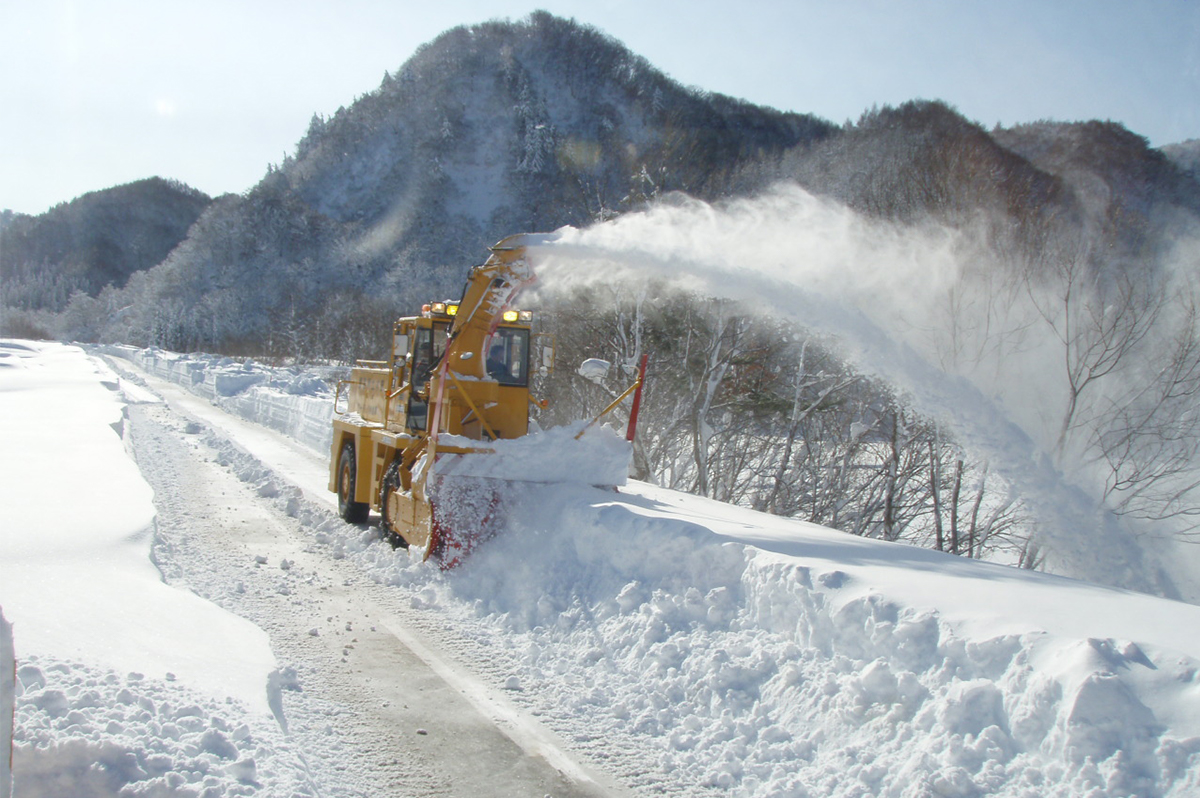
(96, 93)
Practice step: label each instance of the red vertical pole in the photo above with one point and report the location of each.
(637, 400)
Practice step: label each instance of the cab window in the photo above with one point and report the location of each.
(508, 356)
(428, 347)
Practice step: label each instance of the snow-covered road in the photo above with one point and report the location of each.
(643, 642)
(403, 718)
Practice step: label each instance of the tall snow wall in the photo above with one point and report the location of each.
(299, 403)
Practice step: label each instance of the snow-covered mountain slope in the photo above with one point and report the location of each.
(488, 130)
(693, 648)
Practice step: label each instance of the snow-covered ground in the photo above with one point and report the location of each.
(675, 645)
(8, 674)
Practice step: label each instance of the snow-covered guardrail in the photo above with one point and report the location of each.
(297, 402)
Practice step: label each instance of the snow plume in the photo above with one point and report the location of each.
(874, 286)
(786, 252)
(926, 308)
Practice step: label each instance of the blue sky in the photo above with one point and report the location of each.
(96, 93)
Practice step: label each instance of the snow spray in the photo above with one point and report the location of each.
(894, 298)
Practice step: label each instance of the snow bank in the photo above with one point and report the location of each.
(762, 674)
(60, 411)
(295, 402)
(8, 672)
(88, 731)
(77, 582)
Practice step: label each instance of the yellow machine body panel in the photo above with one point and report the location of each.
(457, 369)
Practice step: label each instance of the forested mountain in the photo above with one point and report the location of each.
(97, 240)
(488, 130)
(1186, 156)
(915, 161)
(504, 127)
(923, 160)
(1132, 196)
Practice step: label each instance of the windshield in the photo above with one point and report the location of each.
(428, 348)
(508, 356)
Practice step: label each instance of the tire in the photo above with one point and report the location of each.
(391, 483)
(352, 512)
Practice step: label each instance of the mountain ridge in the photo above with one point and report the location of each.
(98, 239)
(531, 125)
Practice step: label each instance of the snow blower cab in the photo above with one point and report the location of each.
(437, 437)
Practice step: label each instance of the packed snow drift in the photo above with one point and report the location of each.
(570, 454)
(120, 678)
(685, 647)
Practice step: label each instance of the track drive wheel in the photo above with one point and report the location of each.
(351, 511)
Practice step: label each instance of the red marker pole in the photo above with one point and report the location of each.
(637, 400)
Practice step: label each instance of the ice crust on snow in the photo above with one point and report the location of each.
(699, 649)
